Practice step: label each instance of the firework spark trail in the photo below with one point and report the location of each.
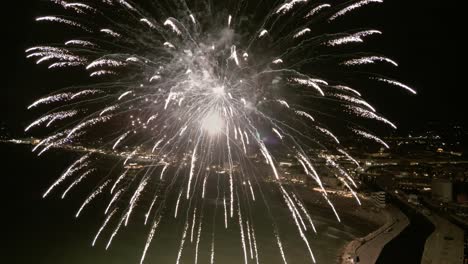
(87, 124)
(288, 6)
(355, 101)
(341, 171)
(170, 22)
(177, 204)
(51, 99)
(294, 211)
(204, 187)
(301, 33)
(78, 42)
(149, 209)
(198, 239)
(354, 38)
(251, 190)
(130, 156)
(107, 109)
(231, 181)
(278, 133)
(328, 133)
(333, 208)
(135, 198)
(65, 64)
(351, 190)
(347, 89)
(119, 179)
(254, 239)
(146, 21)
(267, 156)
(192, 168)
(62, 20)
(113, 200)
(85, 93)
(370, 136)
(212, 255)
(78, 180)
(111, 32)
(55, 141)
(349, 157)
(305, 161)
(80, 7)
(317, 9)
(150, 238)
(225, 213)
(277, 61)
(249, 239)
(163, 170)
(352, 7)
(241, 226)
(47, 141)
(50, 118)
(71, 169)
(305, 212)
(368, 60)
(369, 114)
(157, 145)
(309, 82)
(193, 224)
(92, 196)
(102, 73)
(103, 226)
(296, 215)
(122, 137)
(116, 230)
(182, 242)
(396, 83)
(280, 246)
(302, 113)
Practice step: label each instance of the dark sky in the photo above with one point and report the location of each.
(425, 37)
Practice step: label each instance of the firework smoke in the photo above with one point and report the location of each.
(198, 89)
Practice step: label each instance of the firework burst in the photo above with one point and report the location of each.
(198, 89)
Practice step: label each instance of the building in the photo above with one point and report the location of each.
(442, 190)
(413, 199)
(378, 199)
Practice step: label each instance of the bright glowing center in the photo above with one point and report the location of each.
(218, 90)
(213, 123)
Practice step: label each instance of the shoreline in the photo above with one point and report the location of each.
(346, 206)
(377, 220)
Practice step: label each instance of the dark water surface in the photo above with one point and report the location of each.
(408, 246)
(46, 231)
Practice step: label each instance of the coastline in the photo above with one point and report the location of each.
(349, 250)
(375, 220)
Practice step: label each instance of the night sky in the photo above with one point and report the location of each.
(424, 36)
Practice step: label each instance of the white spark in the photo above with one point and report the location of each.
(301, 32)
(396, 83)
(370, 136)
(63, 21)
(353, 7)
(111, 32)
(169, 22)
(317, 9)
(103, 226)
(283, 9)
(92, 196)
(368, 60)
